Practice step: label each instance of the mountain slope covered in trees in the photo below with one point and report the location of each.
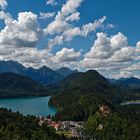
(15, 85)
(79, 92)
(89, 97)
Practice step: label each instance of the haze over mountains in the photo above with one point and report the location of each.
(43, 75)
(47, 76)
(132, 82)
(64, 71)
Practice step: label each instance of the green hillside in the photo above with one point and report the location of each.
(14, 85)
(90, 98)
(80, 95)
(89, 81)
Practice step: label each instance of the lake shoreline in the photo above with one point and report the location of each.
(131, 102)
(32, 105)
(14, 97)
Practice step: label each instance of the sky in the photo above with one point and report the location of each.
(79, 34)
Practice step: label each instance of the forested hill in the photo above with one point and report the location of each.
(14, 85)
(81, 94)
(90, 98)
(89, 81)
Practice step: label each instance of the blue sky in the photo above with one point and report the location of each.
(110, 24)
(125, 14)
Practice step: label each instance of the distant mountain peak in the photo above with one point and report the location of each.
(65, 68)
(88, 81)
(92, 72)
(10, 62)
(44, 75)
(64, 71)
(131, 82)
(45, 68)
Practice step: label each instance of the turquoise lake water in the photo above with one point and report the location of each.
(131, 103)
(37, 106)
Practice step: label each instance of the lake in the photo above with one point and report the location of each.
(130, 103)
(37, 106)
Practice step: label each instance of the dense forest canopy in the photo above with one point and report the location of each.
(82, 94)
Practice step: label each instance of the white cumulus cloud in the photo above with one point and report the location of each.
(112, 54)
(51, 2)
(3, 4)
(46, 15)
(23, 32)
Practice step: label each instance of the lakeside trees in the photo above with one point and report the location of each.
(15, 126)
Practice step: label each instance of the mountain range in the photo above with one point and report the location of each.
(64, 71)
(85, 96)
(132, 82)
(47, 76)
(43, 75)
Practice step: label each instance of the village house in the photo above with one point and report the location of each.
(104, 110)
